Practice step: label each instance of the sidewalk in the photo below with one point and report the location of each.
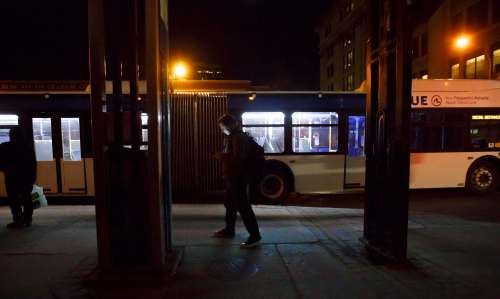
(305, 253)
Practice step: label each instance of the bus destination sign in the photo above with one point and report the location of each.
(14, 86)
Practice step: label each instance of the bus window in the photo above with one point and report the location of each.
(356, 145)
(42, 136)
(454, 138)
(485, 134)
(144, 128)
(267, 128)
(9, 120)
(4, 135)
(315, 132)
(70, 129)
(436, 131)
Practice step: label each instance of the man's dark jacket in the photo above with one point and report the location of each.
(235, 155)
(18, 163)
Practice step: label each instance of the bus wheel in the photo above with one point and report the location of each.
(274, 187)
(483, 178)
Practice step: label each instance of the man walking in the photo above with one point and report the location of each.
(18, 162)
(236, 160)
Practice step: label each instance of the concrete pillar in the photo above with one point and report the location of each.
(128, 42)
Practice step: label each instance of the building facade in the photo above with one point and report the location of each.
(343, 33)
(436, 52)
(344, 30)
(204, 71)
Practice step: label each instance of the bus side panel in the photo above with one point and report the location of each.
(89, 176)
(440, 170)
(46, 176)
(316, 173)
(3, 189)
(355, 172)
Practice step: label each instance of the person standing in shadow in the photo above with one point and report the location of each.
(235, 159)
(18, 162)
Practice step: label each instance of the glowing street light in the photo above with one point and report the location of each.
(462, 42)
(180, 71)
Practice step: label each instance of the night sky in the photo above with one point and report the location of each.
(271, 42)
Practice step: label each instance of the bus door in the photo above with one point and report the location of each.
(355, 156)
(57, 142)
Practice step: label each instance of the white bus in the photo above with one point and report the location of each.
(455, 134)
(315, 140)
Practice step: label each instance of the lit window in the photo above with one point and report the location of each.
(480, 67)
(475, 68)
(144, 119)
(267, 128)
(9, 120)
(315, 132)
(484, 133)
(4, 135)
(350, 82)
(144, 131)
(42, 137)
(263, 118)
(470, 68)
(350, 58)
(356, 138)
(455, 71)
(496, 61)
(70, 131)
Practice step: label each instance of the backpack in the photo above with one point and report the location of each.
(256, 160)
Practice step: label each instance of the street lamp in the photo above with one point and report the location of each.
(462, 42)
(180, 71)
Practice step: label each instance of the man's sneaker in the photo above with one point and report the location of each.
(27, 222)
(251, 242)
(15, 225)
(223, 233)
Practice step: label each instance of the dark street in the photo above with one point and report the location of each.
(453, 202)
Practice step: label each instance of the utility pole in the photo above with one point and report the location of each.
(388, 117)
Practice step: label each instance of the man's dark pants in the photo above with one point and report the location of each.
(237, 201)
(21, 204)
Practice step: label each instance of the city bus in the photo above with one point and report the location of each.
(314, 141)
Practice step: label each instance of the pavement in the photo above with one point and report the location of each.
(306, 252)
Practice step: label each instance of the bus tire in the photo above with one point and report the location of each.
(274, 186)
(483, 178)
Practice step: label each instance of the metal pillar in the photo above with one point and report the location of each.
(128, 41)
(388, 115)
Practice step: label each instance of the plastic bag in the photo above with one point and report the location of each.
(38, 198)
